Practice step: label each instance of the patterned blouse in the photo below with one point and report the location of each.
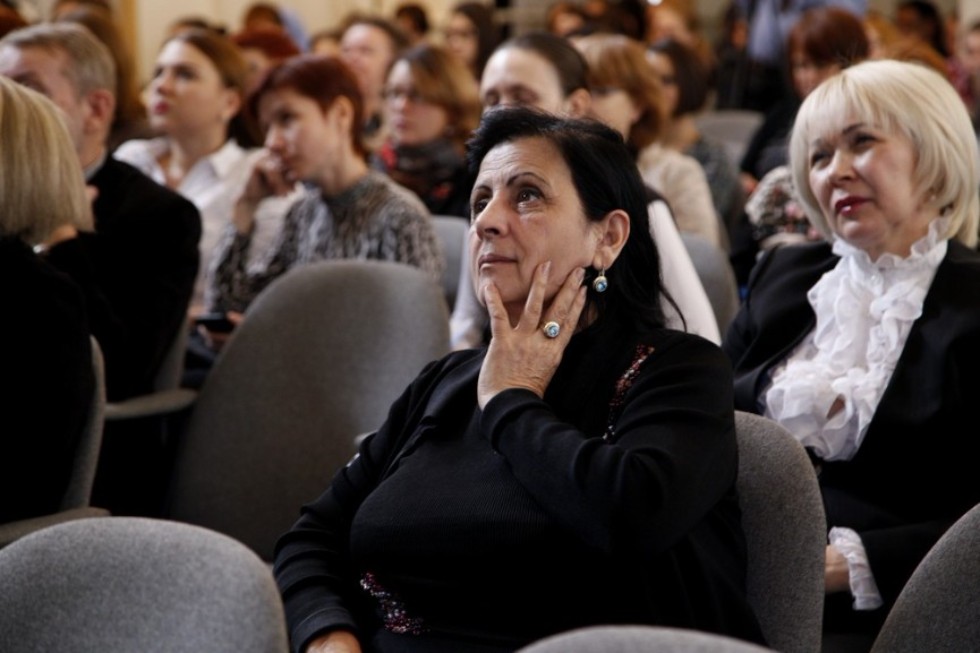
(374, 219)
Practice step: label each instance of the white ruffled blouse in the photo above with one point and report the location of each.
(864, 311)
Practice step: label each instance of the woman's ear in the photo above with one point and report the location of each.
(578, 103)
(614, 230)
(232, 104)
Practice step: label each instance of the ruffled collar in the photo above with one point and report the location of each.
(865, 310)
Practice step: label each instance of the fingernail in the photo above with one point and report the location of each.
(546, 268)
(580, 274)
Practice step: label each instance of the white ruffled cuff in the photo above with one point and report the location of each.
(863, 586)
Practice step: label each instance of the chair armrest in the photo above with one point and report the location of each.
(16, 529)
(164, 402)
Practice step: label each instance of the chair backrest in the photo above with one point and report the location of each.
(639, 639)
(785, 532)
(172, 366)
(78, 494)
(733, 128)
(121, 584)
(717, 276)
(451, 232)
(320, 357)
(939, 607)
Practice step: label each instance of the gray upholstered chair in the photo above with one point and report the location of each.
(639, 639)
(122, 584)
(939, 608)
(76, 502)
(785, 531)
(717, 276)
(320, 357)
(451, 231)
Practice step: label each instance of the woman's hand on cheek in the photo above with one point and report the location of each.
(522, 356)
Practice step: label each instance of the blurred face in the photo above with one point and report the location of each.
(413, 120)
(462, 39)
(186, 93)
(44, 71)
(257, 63)
(807, 74)
(526, 211)
(369, 52)
(668, 78)
(517, 77)
(864, 181)
(615, 107)
(303, 137)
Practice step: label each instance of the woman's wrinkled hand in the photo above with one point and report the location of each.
(522, 356)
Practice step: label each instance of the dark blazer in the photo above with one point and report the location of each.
(137, 272)
(46, 381)
(916, 470)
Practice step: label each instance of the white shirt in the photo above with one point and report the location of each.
(864, 311)
(213, 184)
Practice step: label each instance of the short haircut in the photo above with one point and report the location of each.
(899, 98)
(691, 75)
(271, 41)
(618, 61)
(322, 79)
(443, 80)
(416, 14)
(41, 182)
(90, 64)
(394, 33)
(606, 178)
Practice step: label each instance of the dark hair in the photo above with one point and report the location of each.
(415, 13)
(395, 35)
(690, 75)
(606, 178)
(829, 35)
(567, 61)
(271, 41)
(487, 34)
(929, 15)
(262, 11)
(231, 67)
(323, 79)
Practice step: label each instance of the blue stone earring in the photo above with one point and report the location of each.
(600, 283)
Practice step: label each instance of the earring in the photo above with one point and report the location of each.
(600, 283)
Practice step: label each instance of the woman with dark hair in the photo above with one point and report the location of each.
(432, 106)
(471, 34)
(312, 112)
(545, 71)
(580, 470)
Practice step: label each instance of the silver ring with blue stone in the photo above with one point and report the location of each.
(552, 329)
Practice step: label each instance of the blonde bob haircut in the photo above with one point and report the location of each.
(907, 99)
(41, 182)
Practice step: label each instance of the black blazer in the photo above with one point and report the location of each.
(137, 272)
(916, 470)
(46, 381)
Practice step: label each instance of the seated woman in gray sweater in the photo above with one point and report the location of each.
(311, 110)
